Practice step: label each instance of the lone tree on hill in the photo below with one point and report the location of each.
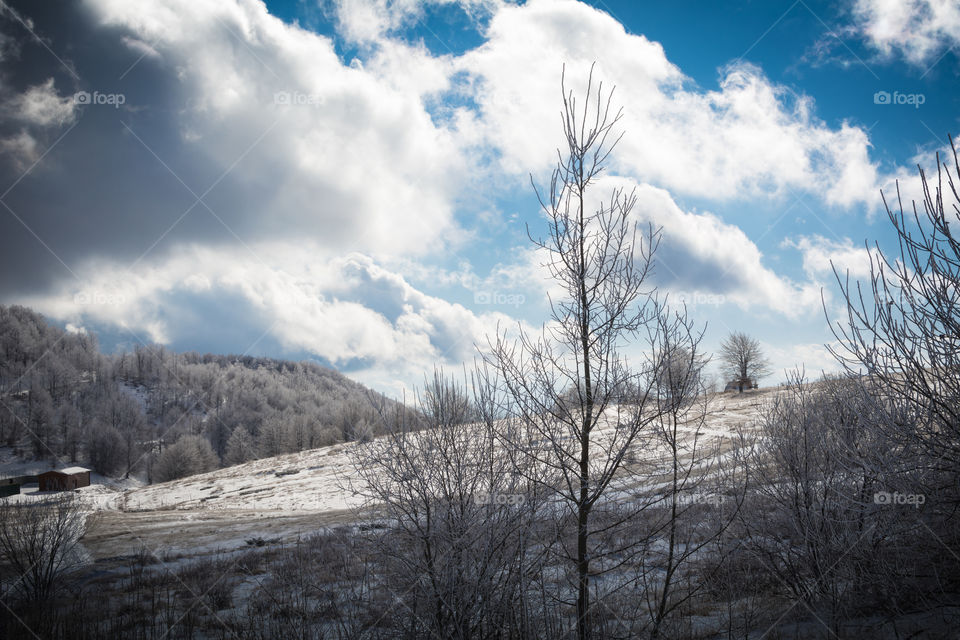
(743, 359)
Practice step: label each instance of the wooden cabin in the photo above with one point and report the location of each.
(66, 479)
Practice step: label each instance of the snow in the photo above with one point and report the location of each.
(316, 481)
(309, 481)
(72, 470)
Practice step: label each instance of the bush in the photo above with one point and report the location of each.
(189, 455)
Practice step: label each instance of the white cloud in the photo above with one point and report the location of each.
(749, 137)
(700, 260)
(42, 106)
(365, 163)
(359, 164)
(820, 253)
(22, 148)
(813, 359)
(907, 182)
(352, 153)
(919, 30)
(143, 48)
(344, 309)
(38, 109)
(701, 254)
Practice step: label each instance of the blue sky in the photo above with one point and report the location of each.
(350, 181)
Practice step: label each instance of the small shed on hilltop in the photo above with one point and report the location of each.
(740, 385)
(64, 479)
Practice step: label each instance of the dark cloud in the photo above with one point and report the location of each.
(678, 266)
(97, 189)
(153, 160)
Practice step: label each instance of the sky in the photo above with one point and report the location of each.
(349, 181)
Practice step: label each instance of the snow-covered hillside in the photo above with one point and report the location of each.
(312, 480)
(276, 498)
(321, 479)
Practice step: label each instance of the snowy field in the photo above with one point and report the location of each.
(276, 499)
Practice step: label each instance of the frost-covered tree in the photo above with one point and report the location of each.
(241, 447)
(743, 359)
(458, 549)
(189, 455)
(593, 252)
(106, 450)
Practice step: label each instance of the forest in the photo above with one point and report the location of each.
(162, 414)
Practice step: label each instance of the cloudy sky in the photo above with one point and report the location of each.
(349, 181)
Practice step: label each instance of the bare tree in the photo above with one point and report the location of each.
(679, 527)
(454, 538)
(902, 334)
(904, 330)
(813, 520)
(743, 360)
(38, 544)
(573, 422)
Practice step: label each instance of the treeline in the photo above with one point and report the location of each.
(164, 413)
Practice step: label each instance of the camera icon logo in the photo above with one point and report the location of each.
(281, 97)
(881, 97)
(81, 97)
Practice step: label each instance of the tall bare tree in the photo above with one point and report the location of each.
(743, 359)
(901, 334)
(577, 406)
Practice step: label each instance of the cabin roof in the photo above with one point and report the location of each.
(70, 470)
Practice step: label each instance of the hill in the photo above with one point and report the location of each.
(158, 414)
(280, 498)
